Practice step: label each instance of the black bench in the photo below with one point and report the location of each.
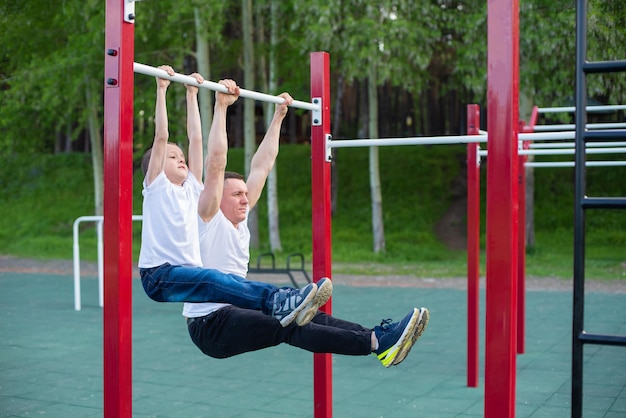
(288, 270)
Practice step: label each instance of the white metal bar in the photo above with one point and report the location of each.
(76, 249)
(540, 164)
(573, 144)
(564, 151)
(569, 151)
(571, 109)
(185, 79)
(571, 126)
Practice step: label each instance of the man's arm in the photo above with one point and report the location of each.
(265, 156)
(161, 133)
(217, 147)
(194, 129)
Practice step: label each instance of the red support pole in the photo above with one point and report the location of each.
(321, 218)
(521, 257)
(473, 247)
(502, 207)
(118, 198)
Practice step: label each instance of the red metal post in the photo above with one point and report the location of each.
(321, 218)
(521, 257)
(473, 247)
(118, 174)
(502, 207)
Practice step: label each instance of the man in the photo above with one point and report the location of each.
(222, 330)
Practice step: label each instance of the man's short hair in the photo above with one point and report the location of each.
(232, 175)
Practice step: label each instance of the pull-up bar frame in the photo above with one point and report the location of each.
(119, 68)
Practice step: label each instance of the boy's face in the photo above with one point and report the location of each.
(175, 168)
(234, 202)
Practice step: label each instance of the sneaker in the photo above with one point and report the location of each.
(395, 339)
(422, 321)
(324, 292)
(289, 302)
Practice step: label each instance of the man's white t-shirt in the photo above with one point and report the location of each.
(169, 232)
(222, 247)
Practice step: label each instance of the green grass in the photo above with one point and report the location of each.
(42, 195)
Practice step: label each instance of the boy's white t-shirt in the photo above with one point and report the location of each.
(169, 232)
(222, 247)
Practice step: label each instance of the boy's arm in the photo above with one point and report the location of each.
(217, 147)
(194, 129)
(265, 156)
(161, 133)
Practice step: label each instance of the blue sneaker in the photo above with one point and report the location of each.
(324, 292)
(288, 302)
(422, 321)
(395, 340)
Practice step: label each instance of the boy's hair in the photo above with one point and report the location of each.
(145, 160)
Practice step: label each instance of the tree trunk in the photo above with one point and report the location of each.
(334, 175)
(205, 98)
(249, 134)
(96, 150)
(377, 199)
(268, 80)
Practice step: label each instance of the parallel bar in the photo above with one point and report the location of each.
(619, 340)
(604, 67)
(572, 109)
(571, 126)
(564, 151)
(444, 140)
(604, 134)
(573, 144)
(180, 78)
(604, 203)
(568, 151)
(547, 164)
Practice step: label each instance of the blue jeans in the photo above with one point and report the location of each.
(167, 283)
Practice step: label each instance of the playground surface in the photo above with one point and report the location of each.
(51, 357)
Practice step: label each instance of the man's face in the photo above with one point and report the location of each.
(235, 200)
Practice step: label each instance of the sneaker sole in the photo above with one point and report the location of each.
(422, 322)
(294, 314)
(404, 340)
(321, 297)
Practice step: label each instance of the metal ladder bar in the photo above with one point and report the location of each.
(581, 203)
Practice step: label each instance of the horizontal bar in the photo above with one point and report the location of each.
(424, 140)
(619, 340)
(185, 79)
(596, 67)
(561, 151)
(555, 164)
(604, 134)
(446, 140)
(572, 109)
(573, 144)
(571, 126)
(604, 203)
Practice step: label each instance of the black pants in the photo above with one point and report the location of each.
(232, 330)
